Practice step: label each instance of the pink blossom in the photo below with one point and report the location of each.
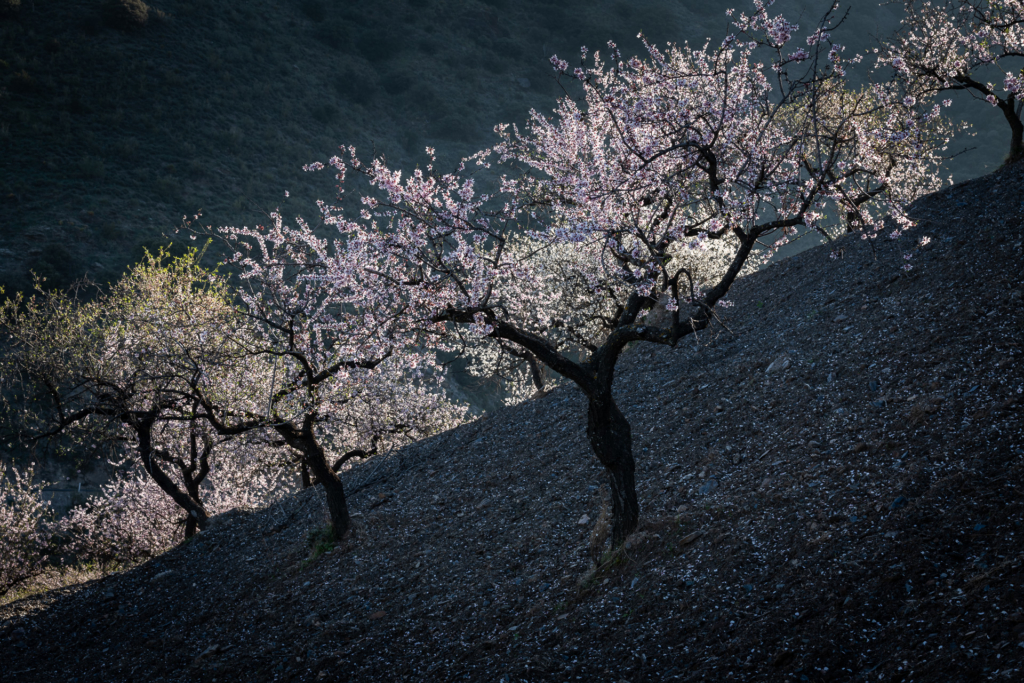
(560, 65)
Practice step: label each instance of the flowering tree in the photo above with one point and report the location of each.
(25, 527)
(947, 45)
(114, 369)
(334, 385)
(667, 180)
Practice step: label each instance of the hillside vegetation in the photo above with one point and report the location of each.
(846, 507)
(112, 130)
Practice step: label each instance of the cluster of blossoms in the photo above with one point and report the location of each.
(948, 45)
(130, 520)
(25, 527)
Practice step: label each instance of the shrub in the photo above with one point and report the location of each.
(320, 540)
(126, 14)
(130, 521)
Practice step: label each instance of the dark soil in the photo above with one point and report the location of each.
(855, 515)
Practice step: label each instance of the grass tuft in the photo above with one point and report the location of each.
(320, 541)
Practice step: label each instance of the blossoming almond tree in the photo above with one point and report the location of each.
(111, 370)
(669, 179)
(951, 45)
(335, 385)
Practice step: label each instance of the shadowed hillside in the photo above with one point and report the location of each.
(829, 482)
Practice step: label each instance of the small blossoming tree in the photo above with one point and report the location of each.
(328, 383)
(633, 212)
(957, 45)
(112, 370)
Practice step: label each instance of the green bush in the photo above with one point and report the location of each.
(320, 541)
(126, 14)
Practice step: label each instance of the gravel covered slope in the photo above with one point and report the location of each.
(831, 489)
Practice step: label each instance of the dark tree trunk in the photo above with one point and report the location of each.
(536, 372)
(306, 481)
(612, 442)
(314, 458)
(191, 523)
(1016, 139)
(196, 513)
(334, 491)
(1016, 129)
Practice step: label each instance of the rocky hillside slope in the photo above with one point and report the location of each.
(831, 489)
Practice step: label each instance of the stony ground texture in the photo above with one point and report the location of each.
(831, 483)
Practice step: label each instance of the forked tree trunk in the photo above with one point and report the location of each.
(197, 516)
(192, 488)
(192, 520)
(612, 442)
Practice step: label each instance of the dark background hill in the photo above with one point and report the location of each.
(830, 485)
(109, 136)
